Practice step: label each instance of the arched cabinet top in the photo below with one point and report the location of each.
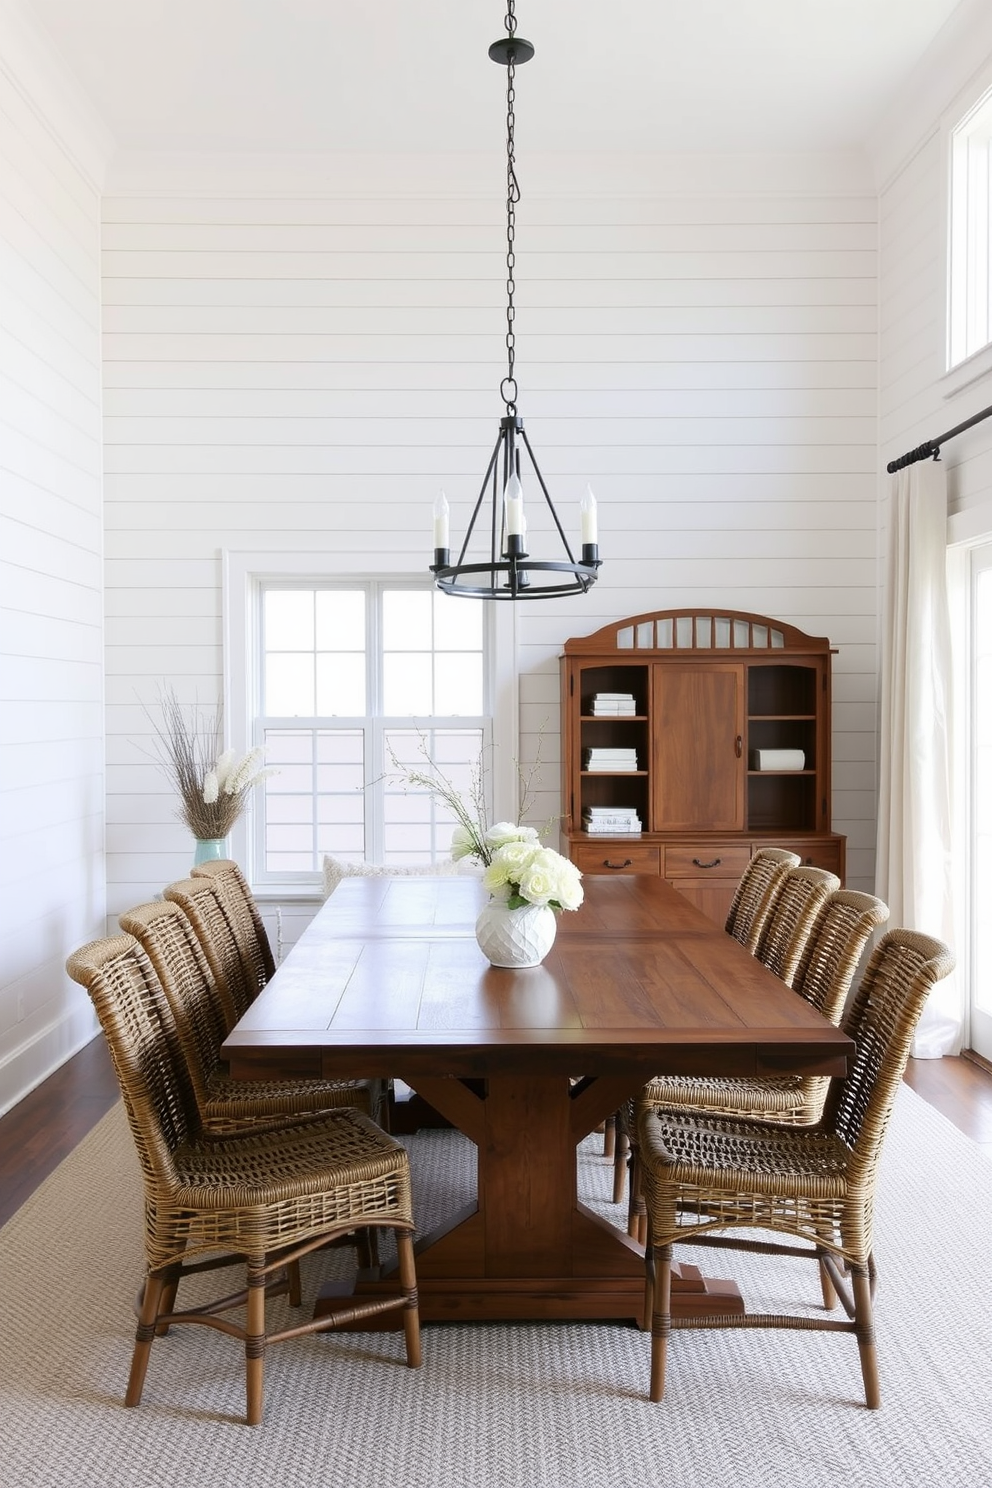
(703, 632)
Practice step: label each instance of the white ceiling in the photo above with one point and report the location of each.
(388, 75)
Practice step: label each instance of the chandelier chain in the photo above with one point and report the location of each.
(508, 388)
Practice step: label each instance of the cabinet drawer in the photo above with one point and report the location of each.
(826, 854)
(699, 859)
(616, 857)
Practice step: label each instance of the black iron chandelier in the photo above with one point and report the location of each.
(510, 572)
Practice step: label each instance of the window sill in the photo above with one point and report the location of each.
(291, 893)
(973, 369)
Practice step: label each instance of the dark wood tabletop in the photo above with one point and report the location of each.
(388, 981)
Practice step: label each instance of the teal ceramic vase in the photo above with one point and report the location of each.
(209, 848)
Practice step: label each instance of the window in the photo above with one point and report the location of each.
(352, 677)
(970, 260)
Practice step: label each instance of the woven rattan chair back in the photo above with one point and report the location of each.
(832, 953)
(226, 1105)
(144, 1047)
(167, 938)
(793, 918)
(756, 892)
(236, 978)
(882, 1019)
(239, 903)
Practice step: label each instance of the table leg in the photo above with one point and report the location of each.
(530, 1249)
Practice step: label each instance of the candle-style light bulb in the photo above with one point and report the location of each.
(513, 503)
(588, 517)
(441, 512)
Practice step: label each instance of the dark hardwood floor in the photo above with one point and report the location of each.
(959, 1088)
(44, 1128)
(47, 1124)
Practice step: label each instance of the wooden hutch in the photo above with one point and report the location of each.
(724, 749)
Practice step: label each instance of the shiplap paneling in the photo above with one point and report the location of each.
(917, 401)
(302, 373)
(52, 809)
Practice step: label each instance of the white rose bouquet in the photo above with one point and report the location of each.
(524, 872)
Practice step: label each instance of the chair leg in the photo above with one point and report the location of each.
(609, 1136)
(295, 1285)
(381, 1092)
(144, 1334)
(650, 1281)
(661, 1318)
(637, 1221)
(167, 1301)
(633, 1189)
(255, 1342)
(864, 1328)
(411, 1311)
(620, 1157)
(827, 1288)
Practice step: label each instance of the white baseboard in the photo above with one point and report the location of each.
(33, 1061)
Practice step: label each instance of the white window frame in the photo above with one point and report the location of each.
(242, 574)
(967, 237)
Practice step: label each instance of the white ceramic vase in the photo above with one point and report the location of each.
(516, 937)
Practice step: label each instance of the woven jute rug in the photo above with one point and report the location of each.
(532, 1406)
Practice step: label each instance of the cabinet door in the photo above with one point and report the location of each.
(697, 728)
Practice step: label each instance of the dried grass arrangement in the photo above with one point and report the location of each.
(213, 784)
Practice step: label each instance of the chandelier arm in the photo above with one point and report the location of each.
(496, 520)
(547, 495)
(475, 510)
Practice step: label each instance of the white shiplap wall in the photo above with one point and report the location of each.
(51, 622)
(303, 372)
(917, 399)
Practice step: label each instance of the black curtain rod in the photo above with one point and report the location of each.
(932, 446)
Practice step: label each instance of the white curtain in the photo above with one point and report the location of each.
(913, 861)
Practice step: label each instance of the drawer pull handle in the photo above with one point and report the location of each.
(715, 863)
(738, 746)
(625, 864)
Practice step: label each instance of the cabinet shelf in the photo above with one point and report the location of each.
(613, 718)
(767, 774)
(612, 774)
(781, 717)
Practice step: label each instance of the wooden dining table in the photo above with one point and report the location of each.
(388, 981)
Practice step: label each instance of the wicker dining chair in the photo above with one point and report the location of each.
(237, 970)
(242, 911)
(267, 1199)
(224, 1104)
(793, 918)
(703, 1175)
(756, 892)
(823, 977)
